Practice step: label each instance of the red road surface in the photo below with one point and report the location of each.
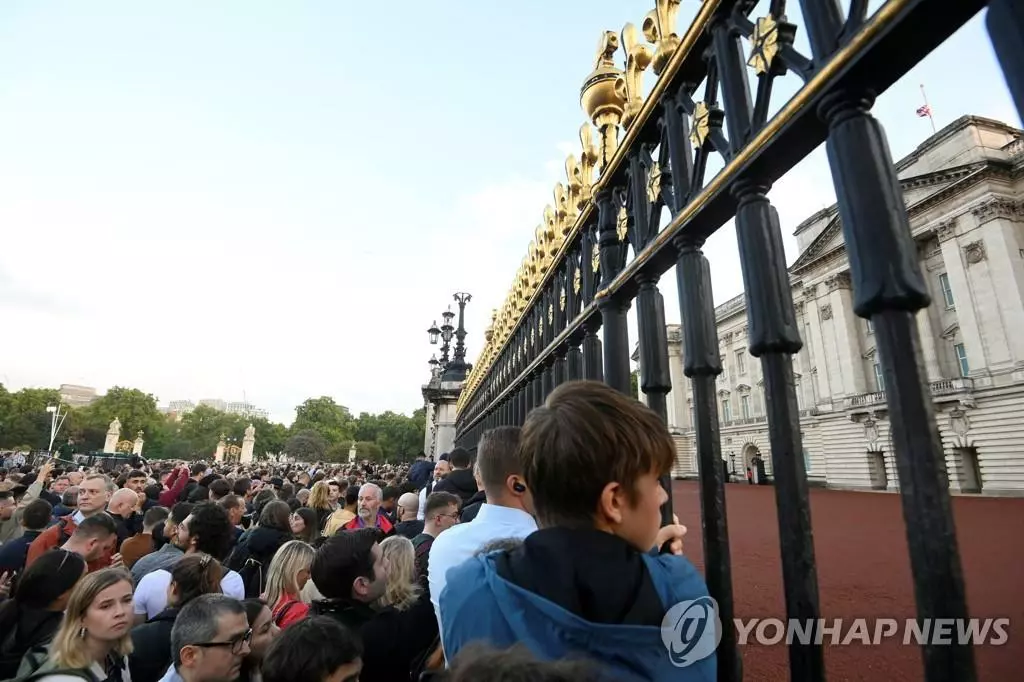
(864, 571)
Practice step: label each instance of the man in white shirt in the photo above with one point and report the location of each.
(207, 530)
(441, 470)
(506, 514)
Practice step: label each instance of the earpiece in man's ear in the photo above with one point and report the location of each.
(519, 487)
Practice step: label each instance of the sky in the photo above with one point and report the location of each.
(274, 200)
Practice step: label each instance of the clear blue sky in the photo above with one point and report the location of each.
(202, 199)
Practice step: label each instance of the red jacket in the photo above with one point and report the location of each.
(382, 523)
(53, 537)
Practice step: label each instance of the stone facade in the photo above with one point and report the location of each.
(964, 192)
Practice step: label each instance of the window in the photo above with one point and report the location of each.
(725, 370)
(871, 327)
(807, 461)
(726, 410)
(745, 406)
(693, 418)
(741, 364)
(961, 358)
(947, 292)
(879, 378)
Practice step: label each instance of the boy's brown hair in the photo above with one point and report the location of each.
(585, 436)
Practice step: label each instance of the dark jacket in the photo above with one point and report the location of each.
(409, 529)
(421, 472)
(459, 482)
(472, 507)
(152, 647)
(393, 641)
(251, 557)
(13, 553)
(32, 628)
(565, 592)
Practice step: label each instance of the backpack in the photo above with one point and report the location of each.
(250, 567)
(38, 657)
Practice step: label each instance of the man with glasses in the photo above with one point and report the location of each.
(210, 638)
(442, 513)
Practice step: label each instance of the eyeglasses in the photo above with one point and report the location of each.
(235, 642)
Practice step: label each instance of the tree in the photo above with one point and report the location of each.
(332, 421)
(306, 445)
(24, 421)
(270, 436)
(137, 411)
(634, 384)
(202, 428)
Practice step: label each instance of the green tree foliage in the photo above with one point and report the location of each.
(24, 421)
(332, 421)
(306, 445)
(634, 384)
(322, 429)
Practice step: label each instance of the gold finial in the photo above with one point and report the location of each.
(765, 44)
(654, 182)
(600, 98)
(561, 300)
(701, 125)
(622, 224)
(660, 30)
(552, 231)
(565, 211)
(588, 160)
(551, 313)
(629, 86)
(595, 258)
(577, 280)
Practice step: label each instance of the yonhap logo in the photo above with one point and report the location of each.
(691, 631)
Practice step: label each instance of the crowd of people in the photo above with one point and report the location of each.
(539, 555)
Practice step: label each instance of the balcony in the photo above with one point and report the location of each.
(943, 387)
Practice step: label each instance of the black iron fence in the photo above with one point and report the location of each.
(565, 317)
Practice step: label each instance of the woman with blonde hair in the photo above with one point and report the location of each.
(193, 575)
(402, 589)
(288, 574)
(320, 502)
(95, 636)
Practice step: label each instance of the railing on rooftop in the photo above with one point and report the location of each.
(565, 315)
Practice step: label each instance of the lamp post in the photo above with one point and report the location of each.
(443, 333)
(56, 421)
(457, 368)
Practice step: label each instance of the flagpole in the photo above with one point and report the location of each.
(929, 108)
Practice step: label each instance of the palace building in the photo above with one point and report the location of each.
(964, 193)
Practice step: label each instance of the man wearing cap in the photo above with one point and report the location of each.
(11, 507)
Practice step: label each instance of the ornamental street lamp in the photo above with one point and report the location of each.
(458, 367)
(56, 421)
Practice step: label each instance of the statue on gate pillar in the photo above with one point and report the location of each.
(113, 436)
(218, 455)
(248, 443)
(137, 445)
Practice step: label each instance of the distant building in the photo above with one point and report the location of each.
(245, 409)
(215, 403)
(181, 406)
(77, 396)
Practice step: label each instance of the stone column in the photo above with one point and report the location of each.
(218, 455)
(817, 343)
(995, 253)
(428, 424)
(678, 413)
(927, 333)
(963, 296)
(846, 326)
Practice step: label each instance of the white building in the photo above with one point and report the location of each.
(964, 191)
(74, 395)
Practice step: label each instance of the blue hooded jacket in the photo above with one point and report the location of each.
(479, 604)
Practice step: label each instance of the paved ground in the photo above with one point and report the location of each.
(864, 571)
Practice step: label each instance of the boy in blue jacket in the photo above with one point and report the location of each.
(590, 582)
